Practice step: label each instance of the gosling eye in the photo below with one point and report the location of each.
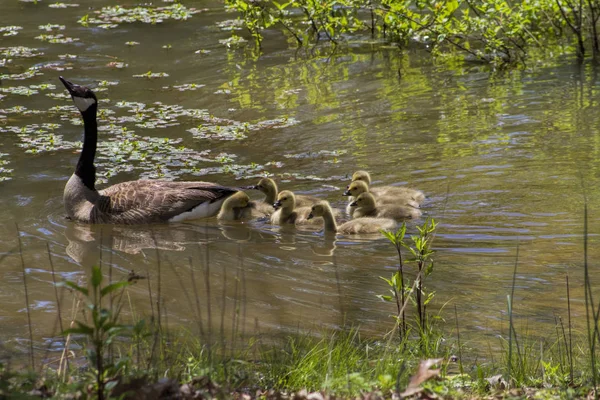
(285, 198)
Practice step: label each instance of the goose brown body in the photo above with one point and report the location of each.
(134, 202)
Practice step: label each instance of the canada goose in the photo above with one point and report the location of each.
(365, 206)
(239, 207)
(134, 202)
(269, 188)
(356, 188)
(377, 191)
(356, 226)
(288, 213)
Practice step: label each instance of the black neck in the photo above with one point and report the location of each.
(85, 169)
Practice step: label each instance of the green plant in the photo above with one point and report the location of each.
(421, 252)
(103, 329)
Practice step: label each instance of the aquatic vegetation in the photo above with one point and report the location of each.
(59, 38)
(5, 173)
(201, 51)
(117, 64)
(19, 90)
(111, 16)
(185, 87)
(234, 130)
(29, 73)
(51, 27)
(231, 25)
(62, 5)
(152, 75)
(233, 41)
(12, 30)
(26, 90)
(132, 43)
(20, 52)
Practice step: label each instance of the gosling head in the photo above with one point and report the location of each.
(237, 200)
(285, 199)
(266, 185)
(356, 188)
(362, 176)
(364, 200)
(318, 210)
(82, 96)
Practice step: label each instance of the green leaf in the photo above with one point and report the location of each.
(96, 276)
(112, 287)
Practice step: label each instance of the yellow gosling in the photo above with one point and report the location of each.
(366, 206)
(354, 227)
(364, 176)
(269, 188)
(239, 207)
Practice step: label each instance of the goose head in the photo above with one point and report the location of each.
(285, 199)
(82, 96)
(267, 186)
(362, 176)
(364, 200)
(356, 188)
(319, 209)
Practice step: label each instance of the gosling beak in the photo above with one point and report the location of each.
(69, 85)
(346, 193)
(277, 205)
(353, 204)
(310, 216)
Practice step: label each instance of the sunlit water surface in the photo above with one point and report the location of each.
(504, 159)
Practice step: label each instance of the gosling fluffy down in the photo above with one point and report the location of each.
(366, 206)
(357, 188)
(377, 191)
(354, 227)
(287, 213)
(238, 207)
(269, 188)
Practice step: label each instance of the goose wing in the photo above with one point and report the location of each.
(148, 201)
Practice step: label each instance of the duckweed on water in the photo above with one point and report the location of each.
(51, 27)
(111, 16)
(4, 172)
(185, 87)
(29, 73)
(62, 5)
(19, 52)
(59, 38)
(10, 30)
(152, 75)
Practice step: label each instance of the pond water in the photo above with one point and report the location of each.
(504, 158)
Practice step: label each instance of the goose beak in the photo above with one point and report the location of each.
(277, 204)
(353, 204)
(310, 216)
(346, 193)
(69, 85)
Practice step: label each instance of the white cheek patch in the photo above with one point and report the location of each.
(83, 103)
